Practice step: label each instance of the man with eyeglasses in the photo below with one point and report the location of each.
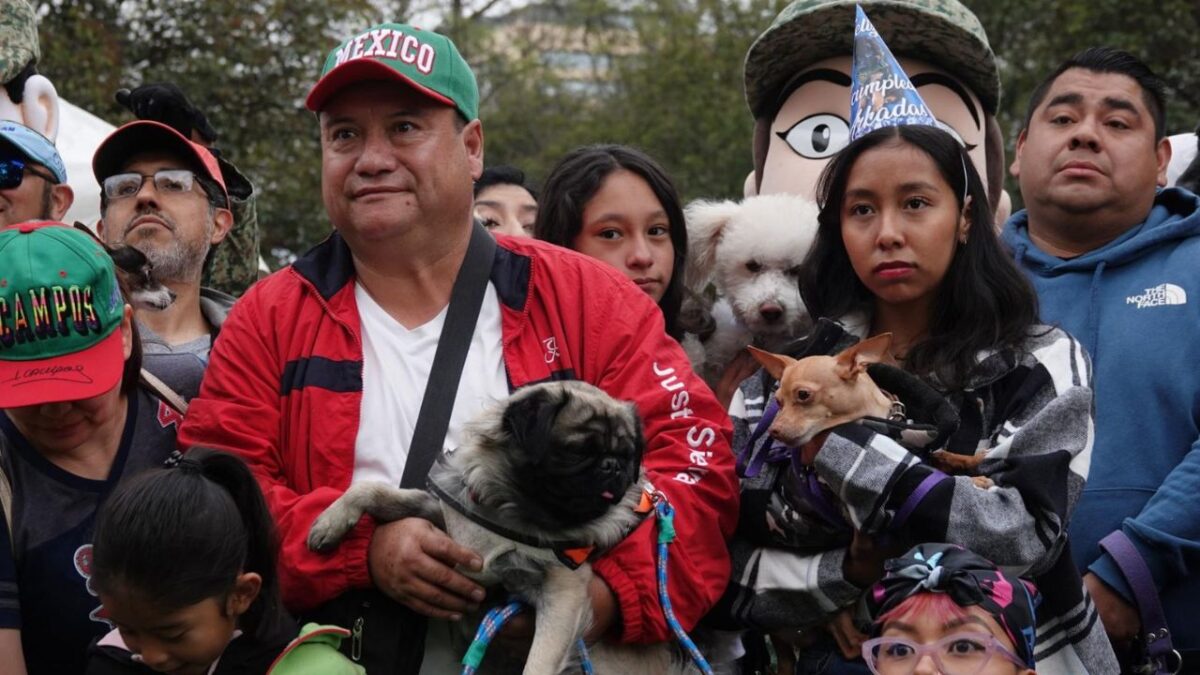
(33, 179)
(164, 195)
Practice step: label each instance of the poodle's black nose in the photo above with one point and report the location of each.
(771, 312)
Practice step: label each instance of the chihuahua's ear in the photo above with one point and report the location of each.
(706, 223)
(855, 358)
(774, 363)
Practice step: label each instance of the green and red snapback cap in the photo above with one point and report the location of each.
(426, 61)
(60, 316)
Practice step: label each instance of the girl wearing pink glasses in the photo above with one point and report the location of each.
(942, 609)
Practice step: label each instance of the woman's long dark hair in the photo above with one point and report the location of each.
(179, 536)
(577, 178)
(984, 302)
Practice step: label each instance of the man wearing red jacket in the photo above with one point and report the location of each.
(318, 377)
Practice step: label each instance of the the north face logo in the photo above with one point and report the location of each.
(1162, 294)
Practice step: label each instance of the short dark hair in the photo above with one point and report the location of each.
(180, 536)
(1117, 61)
(503, 174)
(984, 301)
(577, 178)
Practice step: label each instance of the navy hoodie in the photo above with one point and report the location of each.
(1135, 305)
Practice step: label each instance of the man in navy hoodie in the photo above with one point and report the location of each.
(1114, 258)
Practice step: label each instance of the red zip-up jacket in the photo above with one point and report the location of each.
(284, 391)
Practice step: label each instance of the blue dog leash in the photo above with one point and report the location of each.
(666, 534)
(496, 617)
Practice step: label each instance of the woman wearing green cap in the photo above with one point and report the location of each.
(74, 422)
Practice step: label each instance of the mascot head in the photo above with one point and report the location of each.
(798, 79)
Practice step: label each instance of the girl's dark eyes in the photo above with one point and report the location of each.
(490, 223)
(965, 647)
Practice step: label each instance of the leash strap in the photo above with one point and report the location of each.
(1145, 595)
(666, 534)
(917, 496)
(438, 402)
(749, 463)
(491, 624)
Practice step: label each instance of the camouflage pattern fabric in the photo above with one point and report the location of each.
(942, 32)
(233, 265)
(18, 38)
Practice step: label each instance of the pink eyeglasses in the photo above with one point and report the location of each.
(958, 654)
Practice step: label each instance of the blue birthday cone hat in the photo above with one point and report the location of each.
(882, 95)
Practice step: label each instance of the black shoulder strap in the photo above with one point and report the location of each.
(465, 300)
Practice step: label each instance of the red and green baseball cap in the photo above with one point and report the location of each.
(426, 61)
(60, 316)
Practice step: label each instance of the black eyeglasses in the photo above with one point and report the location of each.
(166, 181)
(13, 170)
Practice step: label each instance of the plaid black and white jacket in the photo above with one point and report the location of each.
(1031, 409)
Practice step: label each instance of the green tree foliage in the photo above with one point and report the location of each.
(246, 63)
(668, 79)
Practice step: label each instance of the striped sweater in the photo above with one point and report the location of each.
(1031, 409)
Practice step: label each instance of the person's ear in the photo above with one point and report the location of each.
(127, 331)
(245, 591)
(1015, 167)
(222, 224)
(61, 198)
(473, 141)
(964, 220)
(1163, 156)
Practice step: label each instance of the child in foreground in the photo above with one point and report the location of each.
(184, 563)
(942, 609)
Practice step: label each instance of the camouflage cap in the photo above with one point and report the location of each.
(18, 38)
(942, 32)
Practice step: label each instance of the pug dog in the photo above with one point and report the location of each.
(545, 481)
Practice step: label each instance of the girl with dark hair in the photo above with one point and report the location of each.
(616, 204)
(184, 562)
(905, 246)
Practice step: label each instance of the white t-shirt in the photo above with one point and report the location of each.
(396, 367)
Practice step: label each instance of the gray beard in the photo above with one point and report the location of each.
(177, 262)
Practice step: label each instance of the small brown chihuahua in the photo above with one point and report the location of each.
(817, 393)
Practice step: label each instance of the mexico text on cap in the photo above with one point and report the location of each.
(426, 61)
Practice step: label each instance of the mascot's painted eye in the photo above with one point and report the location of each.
(950, 130)
(817, 136)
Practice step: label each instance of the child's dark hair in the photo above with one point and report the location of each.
(179, 536)
(577, 178)
(984, 302)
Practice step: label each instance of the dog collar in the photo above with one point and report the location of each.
(897, 413)
(447, 485)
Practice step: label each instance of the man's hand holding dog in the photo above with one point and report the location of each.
(413, 563)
